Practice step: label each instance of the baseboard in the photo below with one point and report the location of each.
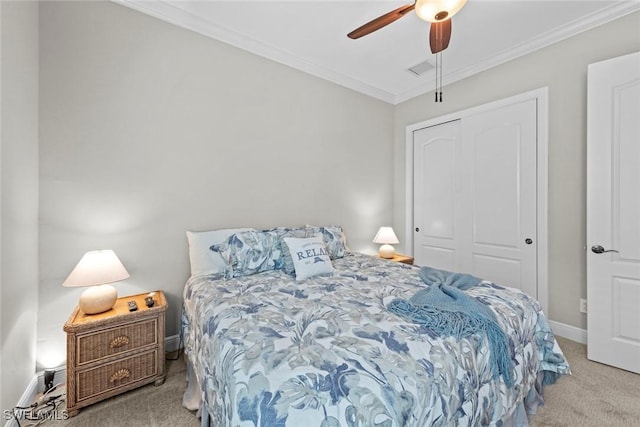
(172, 343)
(36, 385)
(569, 332)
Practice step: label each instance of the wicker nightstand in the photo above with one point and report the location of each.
(405, 259)
(115, 351)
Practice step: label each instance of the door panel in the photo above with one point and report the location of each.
(495, 186)
(505, 271)
(613, 209)
(438, 159)
(626, 294)
(626, 150)
(435, 165)
(438, 256)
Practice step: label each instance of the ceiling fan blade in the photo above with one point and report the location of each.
(439, 35)
(381, 21)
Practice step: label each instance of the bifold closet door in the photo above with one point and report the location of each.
(475, 195)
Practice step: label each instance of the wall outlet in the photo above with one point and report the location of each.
(583, 305)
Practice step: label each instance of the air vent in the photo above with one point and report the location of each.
(421, 68)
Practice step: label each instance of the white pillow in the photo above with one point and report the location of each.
(310, 256)
(203, 260)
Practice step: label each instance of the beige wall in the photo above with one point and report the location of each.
(148, 130)
(19, 191)
(563, 68)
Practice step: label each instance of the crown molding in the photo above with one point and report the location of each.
(172, 13)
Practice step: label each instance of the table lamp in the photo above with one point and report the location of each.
(386, 237)
(96, 269)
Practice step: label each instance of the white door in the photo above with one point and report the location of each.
(499, 163)
(613, 212)
(475, 195)
(436, 197)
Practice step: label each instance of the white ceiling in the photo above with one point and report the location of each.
(312, 35)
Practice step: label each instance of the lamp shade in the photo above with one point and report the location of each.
(386, 235)
(96, 269)
(438, 10)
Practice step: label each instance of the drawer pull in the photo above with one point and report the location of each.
(119, 341)
(120, 374)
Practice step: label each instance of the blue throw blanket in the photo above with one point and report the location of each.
(444, 308)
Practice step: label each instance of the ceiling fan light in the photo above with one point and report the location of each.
(438, 10)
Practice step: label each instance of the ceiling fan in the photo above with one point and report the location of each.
(437, 12)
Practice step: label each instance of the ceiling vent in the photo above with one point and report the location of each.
(421, 68)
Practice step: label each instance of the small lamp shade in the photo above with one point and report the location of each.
(386, 237)
(438, 10)
(96, 269)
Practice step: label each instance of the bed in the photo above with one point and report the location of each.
(268, 346)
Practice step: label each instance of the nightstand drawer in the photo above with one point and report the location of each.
(118, 374)
(105, 343)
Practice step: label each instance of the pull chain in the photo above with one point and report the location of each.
(436, 77)
(440, 76)
(438, 97)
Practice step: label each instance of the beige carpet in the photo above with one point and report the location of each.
(595, 395)
(147, 406)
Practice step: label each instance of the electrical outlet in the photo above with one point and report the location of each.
(583, 305)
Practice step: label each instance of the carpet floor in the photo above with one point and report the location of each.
(594, 395)
(147, 406)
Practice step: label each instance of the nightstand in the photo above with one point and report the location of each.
(115, 351)
(405, 259)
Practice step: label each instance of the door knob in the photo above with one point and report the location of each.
(597, 249)
(417, 229)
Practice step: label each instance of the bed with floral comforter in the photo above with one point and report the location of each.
(268, 350)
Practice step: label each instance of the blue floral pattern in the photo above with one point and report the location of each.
(334, 239)
(250, 252)
(325, 352)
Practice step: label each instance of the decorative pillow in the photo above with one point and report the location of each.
(203, 261)
(334, 239)
(283, 232)
(310, 257)
(250, 252)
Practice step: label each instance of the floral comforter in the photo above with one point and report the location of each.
(325, 352)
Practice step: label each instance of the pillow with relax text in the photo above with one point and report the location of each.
(309, 255)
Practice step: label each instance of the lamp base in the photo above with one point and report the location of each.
(98, 299)
(386, 251)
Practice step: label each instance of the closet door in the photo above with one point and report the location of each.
(437, 210)
(498, 167)
(475, 195)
